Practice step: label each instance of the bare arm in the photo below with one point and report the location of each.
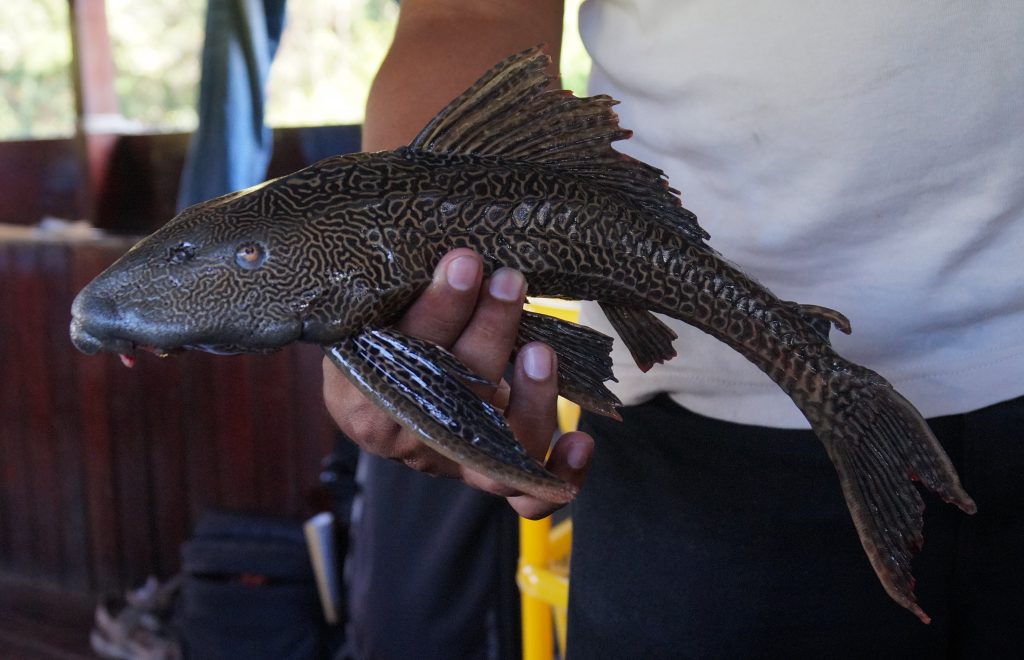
(440, 48)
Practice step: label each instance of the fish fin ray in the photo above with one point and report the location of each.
(880, 445)
(647, 337)
(822, 319)
(414, 382)
(584, 360)
(510, 113)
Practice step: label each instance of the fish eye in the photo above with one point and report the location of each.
(181, 253)
(250, 256)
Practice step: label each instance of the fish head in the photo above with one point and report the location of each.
(240, 273)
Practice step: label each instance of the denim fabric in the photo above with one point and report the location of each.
(231, 147)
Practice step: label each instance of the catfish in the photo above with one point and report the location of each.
(526, 176)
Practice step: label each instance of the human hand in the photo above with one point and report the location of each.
(477, 321)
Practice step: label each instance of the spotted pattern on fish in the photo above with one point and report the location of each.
(528, 179)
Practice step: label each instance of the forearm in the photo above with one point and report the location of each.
(440, 48)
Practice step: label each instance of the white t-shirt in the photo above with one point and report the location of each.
(865, 156)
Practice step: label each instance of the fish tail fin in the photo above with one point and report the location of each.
(880, 444)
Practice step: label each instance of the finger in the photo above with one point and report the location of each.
(481, 336)
(532, 410)
(501, 395)
(533, 399)
(446, 305)
(570, 460)
(533, 415)
(487, 340)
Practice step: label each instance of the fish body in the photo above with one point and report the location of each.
(334, 253)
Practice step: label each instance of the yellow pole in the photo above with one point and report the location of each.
(542, 591)
(538, 641)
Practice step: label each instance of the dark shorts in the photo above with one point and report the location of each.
(696, 538)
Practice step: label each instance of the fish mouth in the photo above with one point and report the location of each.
(92, 340)
(89, 343)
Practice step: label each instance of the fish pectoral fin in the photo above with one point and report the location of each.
(822, 319)
(646, 336)
(584, 360)
(880, 445)
(421, 386)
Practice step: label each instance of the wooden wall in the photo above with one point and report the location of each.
(104, 469)
(39, 178)
(44, 177)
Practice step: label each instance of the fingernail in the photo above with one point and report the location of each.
(537, 362)
(507, 284)
(577, 456)
(461, 273)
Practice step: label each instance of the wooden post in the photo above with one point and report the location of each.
(96, 107)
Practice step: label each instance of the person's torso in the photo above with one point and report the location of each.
(867, 157)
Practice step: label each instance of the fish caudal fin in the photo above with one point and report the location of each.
(421, 386)
(647, 337)
(584, 360)
(880, 445)
(511, 113)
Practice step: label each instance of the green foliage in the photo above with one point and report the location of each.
(329, 53)
(36, 94)
(328, 56)
(157, 48)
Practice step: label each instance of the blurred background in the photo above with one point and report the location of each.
(320, 76)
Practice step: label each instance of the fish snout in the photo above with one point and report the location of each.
(82, 340)
(93, 320)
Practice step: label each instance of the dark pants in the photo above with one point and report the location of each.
(696, 538)
(431, 569)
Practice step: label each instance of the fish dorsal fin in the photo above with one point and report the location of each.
(511, 114)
